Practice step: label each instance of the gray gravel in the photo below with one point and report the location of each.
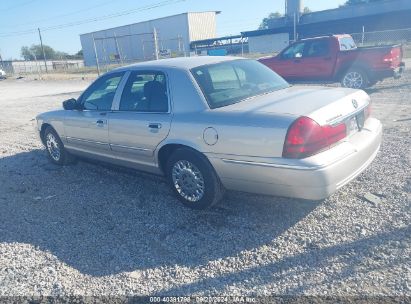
(90, 229)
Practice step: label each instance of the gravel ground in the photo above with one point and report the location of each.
(90, 229)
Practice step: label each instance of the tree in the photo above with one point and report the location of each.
(36, 52)
(25, 53)
(266, 23)
(306, 10)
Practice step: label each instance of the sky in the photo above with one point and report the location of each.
(19, 19)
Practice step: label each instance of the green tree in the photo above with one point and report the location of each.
(266, 23)
(35, 52)
(306, 10)
(25, 53)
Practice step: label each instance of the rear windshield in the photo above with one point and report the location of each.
(347, 44)
(230, 82)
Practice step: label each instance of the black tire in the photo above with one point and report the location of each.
(200, 173)
(355, 78)
(55, 148)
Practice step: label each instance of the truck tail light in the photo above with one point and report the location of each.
(393, 56)
(306, 137)
(388, 57)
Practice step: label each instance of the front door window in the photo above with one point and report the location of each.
(100, 95)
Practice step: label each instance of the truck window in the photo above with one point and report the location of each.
(319, 48)
(294, 51)
(347, 44)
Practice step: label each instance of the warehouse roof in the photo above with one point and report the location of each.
(166, 17)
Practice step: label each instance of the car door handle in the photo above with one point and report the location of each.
(100, 122)
(155, 126)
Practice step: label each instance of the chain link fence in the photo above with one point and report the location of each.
(119, 50)
(400, 36)
(39, 67)
(109, 53)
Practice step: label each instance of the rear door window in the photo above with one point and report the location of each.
(145, 92)
(347, 44)
(318, 48)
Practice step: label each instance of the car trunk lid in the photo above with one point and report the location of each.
(323, 104)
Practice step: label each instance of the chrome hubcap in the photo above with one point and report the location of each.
(353, 80)
(53, 147)
(188, 181)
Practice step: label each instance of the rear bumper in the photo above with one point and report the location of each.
(314, 178)
(394, 72)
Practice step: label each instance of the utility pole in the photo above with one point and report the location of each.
(155, 43)
(295, 27)
(44, 53)
(95, 55)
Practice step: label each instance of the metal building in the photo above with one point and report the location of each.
(258, 42)
(164, 37)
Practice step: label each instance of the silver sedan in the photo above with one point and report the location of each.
(215, 123)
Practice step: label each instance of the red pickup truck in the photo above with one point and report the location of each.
(337, 58)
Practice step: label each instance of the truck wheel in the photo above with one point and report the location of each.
(193, 179)
(355, 78)
(55, 148)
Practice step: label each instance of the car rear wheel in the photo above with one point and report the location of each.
(55, 148)
(355, 78)
(193, 179)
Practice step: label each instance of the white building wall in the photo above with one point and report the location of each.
(267, 44)
(202, 25)
(135, 42)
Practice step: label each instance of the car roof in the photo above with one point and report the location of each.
(184, 63)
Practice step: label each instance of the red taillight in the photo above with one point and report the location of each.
(306, 137)
(388, 57)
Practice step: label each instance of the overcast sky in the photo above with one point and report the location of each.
(20, 18)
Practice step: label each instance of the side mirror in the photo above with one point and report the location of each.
(70, 104)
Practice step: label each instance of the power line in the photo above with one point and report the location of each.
(96, 19)
(16, 6)
(62, 15)
(115, 15)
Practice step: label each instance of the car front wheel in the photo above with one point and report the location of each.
(55, 148)
(193, 179)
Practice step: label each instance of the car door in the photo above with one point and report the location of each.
(288, 63)
(87, 129)
(141, 119)
(317, 61)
